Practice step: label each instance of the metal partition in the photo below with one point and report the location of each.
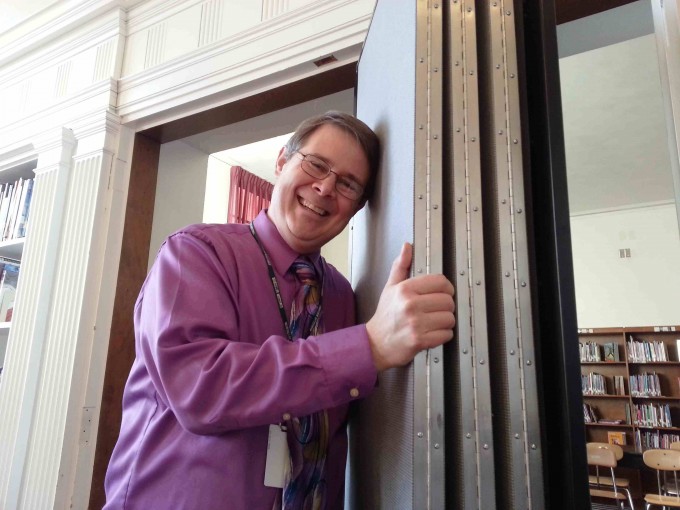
(444, 84)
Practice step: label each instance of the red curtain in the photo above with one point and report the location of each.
(248, 195)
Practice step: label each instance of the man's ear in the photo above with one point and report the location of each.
(280, 161)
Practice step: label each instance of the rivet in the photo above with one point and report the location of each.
(436, 69)
(503, 201)
(435, 206)
(507, 13)
(461, 272)
(498, 66)
(516, 436)
(435, 136)
(512, 352)
(533, 446)
(422, 60)
(457, 130)
(471, 73)
(468, 435)
(464, 351)
(523, 284)
(457, 63)
(421, 126)
(475, 208)
(478, 282)
(500, 131)
(528, 362)
(436, 6)
(420, 434)
(473, 139)
(495, 4)
(420, 270)
(469, 9)
(436, 446)
(436, 360)
(460, 199)
(507, 273)
(515, 141)
(486, 446)
(519, 211)
(481, 361)
(512, 75)
(420, 197)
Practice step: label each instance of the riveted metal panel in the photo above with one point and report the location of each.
(517, 427)
(470, 460)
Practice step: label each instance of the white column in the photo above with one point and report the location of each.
(58, 434)
(26, 345)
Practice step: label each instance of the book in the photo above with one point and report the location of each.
(611, 352)
(616, 437)
(8, 287)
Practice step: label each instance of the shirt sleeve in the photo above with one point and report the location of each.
(187, 331)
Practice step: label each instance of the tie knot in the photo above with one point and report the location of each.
(304, 271)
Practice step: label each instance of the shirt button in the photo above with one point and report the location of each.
(354, 393)
(286, 416)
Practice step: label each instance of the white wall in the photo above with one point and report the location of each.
(643, 290)
(180, 192)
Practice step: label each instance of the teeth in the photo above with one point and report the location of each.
(312, 207)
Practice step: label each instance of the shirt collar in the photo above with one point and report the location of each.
(281, 255)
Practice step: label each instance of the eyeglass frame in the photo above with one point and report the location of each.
(338, 178)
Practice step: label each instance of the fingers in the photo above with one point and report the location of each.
(401, 267)
(429, 283)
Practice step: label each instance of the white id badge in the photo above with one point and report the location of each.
(278, 458)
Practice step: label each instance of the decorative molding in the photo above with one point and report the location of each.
(273, 8)
(148, 14)
(71, 16)
(95, 98)
(155, 45)
(104, 60)
(211, 22)
(61, 83)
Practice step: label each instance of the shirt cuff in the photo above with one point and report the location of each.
(348, 363)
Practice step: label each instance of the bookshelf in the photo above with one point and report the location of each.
(634, 395)
(16, 192)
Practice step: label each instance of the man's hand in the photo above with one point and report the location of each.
(412, 315)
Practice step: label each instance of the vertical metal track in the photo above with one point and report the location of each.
(475, 486)
(517, 430)
(429, 465)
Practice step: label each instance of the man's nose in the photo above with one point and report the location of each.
(326, 186)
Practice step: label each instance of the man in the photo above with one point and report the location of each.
(234, 400)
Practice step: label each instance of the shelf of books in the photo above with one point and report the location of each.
(16, 192)
(630, 379)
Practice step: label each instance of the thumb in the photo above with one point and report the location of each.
(401, 266)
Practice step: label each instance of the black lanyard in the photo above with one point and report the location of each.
(277, 292)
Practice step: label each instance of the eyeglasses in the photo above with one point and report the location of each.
(319, 169)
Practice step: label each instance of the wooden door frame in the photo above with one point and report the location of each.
(139, 213)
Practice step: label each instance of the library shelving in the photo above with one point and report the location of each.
(16, 192)
(631, 385)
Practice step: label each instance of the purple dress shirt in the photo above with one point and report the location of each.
(214, 368)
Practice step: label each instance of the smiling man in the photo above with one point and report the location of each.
(248, 354)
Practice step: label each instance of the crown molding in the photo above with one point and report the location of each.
(113, 25)
(222, 67)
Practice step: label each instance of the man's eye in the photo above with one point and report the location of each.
(346, 184)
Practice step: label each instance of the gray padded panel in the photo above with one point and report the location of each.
(381, 429)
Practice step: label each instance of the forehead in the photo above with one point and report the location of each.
(340, 149)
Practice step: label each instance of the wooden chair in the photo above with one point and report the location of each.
(668, 462)
(668, 485)
(605, 455)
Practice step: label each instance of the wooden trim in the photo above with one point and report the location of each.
(570, 10)
(131, 274)
(629, 329)
(313, 87)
